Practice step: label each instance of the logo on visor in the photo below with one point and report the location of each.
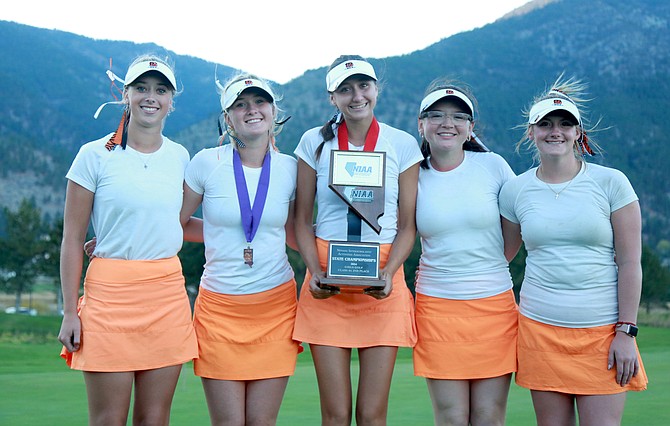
(248, 82)
(449, 92)
(153, 64)
(558, 102)
(349, 65)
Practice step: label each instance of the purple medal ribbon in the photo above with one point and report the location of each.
(251, 218)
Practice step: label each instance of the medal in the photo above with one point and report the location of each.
(249, 256)
(251, 217)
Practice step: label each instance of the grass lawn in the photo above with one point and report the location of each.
(36, 388)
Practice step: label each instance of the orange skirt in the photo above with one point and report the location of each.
(569, 360)
(465, 339)
(355, 320)
(246, 337)
(135, 315)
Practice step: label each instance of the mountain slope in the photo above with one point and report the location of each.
(621, 48)
(53, 81)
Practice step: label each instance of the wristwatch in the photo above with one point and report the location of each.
(629, 329)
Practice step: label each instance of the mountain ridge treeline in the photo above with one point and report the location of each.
(53, 81)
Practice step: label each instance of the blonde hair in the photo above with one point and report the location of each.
(277, 122)
(574, 90)
(163, 60)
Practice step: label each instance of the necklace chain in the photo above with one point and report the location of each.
(556, 194)
(145, 158)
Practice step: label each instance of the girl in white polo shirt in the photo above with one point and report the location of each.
(381, 319)
(245, 309)
(132, 328)
(581, 226)
(466, 313)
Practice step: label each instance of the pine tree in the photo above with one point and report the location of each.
(21, 250)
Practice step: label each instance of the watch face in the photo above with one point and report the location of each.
(629, 329)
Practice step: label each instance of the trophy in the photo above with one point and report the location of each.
(358, 178)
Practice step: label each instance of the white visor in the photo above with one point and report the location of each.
(346, 69)
(545, 106)
(435, 96)
(140, 68)
(230, 93)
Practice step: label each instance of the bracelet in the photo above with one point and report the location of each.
(624, 322)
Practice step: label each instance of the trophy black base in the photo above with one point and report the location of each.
(351, 285)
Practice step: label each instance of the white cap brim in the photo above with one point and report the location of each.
(435, 96)
(346, 69)
(233, 91)
(136, 70)
(545, 106)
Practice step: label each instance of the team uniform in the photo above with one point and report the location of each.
(568, 305)
(354, 320)
(465, 306)
(135, 313)
(244, 315)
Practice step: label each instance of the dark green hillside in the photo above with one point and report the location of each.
(52, 82)
(621, 48)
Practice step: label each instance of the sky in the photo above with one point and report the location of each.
(276, 39)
